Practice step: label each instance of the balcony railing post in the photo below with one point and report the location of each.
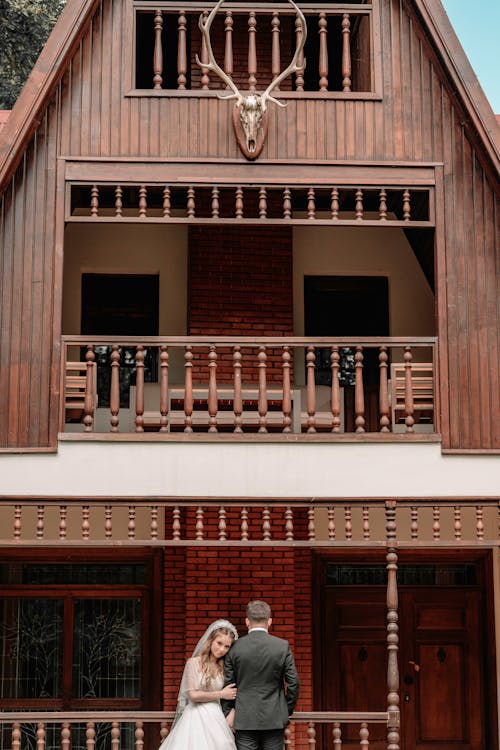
(393, 710)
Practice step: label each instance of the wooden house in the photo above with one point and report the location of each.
(251, 364)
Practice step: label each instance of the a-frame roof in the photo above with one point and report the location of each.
(75, 17)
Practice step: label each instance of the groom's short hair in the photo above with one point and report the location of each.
(258, 611)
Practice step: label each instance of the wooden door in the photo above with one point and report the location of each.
(440, 664)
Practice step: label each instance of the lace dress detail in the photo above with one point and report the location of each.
(202, 726)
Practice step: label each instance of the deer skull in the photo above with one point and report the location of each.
(250, 113)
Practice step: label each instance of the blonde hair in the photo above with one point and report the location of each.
(210, 670)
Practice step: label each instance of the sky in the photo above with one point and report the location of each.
(477, 25)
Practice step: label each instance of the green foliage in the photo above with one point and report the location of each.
(24, 28)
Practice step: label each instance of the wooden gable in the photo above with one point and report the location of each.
(425, 107)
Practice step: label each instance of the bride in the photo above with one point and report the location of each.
(199, 723)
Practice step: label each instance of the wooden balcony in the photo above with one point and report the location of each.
(242, 388)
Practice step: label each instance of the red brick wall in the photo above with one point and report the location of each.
(240, 281)
(202, 584)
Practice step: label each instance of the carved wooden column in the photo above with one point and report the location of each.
(299, 77)
(158, 51)
(181, 51)
(228, 44)
(275, 54)
(323, 52)
(346, 53)
(204, 57)
(393, 722)
(252, 51)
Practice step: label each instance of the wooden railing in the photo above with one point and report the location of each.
(54, 730)
(324, 523)
(338, 50)
(248, 386)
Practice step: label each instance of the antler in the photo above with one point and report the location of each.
(212, 64)
(292, 68)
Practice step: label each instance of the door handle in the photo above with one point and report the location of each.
(416, 667)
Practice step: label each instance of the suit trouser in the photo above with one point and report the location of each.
(255, 739)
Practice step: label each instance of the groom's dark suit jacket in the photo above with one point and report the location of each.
(261, 665)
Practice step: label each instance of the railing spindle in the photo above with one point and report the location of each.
(364, 736)
(88, 407)
(287, 396)
(262, 398)
(188, 389)
(65, 735)
(275, 53)
(335, 204)
(40, 521)
(199, 523)
(287, 203)
(311, 389)
(252, 51)
(346, 53)
(115, 388)
(143, 201)
(244, 524)
(153, 526)
(164, 356)
(212, 389)
(348, 522)
(406, 206)
(335, 389)
(337, 736)
(205, 80)
(163, 731)
(158, 51)
(215, 202)
(131, 522)
(63, 527)
(383, 391)
(94, 200)
(323, 52)
(115, 735)
(299, 76)
(382, 206)
(90, 736)
(262, 203)
(40, 736)
(228, 43)
(414, 522)
(359, 395)
(332, 532)
(166, 202)
(222, 524)
(108, 521)
(238, 203)
(436, 523)
(311, 524)
(311, 735)
(393, 711)
(479, 523)
(359, 205)
(16, 736)
(190, 205)
(139, 389)
(289, 524)
(118, 201)
(311, 204)
(266, 524)
(366, 522)
(85, 522)
(457, 522)
(176, 523)
(237, 396)
(139, 735)
(181, 50)
(409, 405)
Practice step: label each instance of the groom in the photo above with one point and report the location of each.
(263, 669)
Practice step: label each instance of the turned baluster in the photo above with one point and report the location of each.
(409, 405)
(382, 205)
(166, 202)
(335, 390)
(115, 388)
(266, 524)
(212, 389)
(115, 735)
(383, 391)
(414, 521)
(359, 205)
(262, 203)
(311, 204)
(457, 522)
(299, 76)
(287, 203)
(228, 44)
(252, 51)
(88, 407)
(366, 522)
(16, 736)
(90, 736)
(131, 522)
(238, 204)
(86, 522)
(176, 523)
(480, 523)
(348, 522)
(143, 203)
(163, 388)
(311, 389)
(153, 526)
(289, 524)
(287, 738)
(65, 735)
(359, 395)
(215, 202)
(139, 735)
(40, 521)
(392, 633)
(332, 531)
(406, 206)
(17, 522)
(118, 200)
(364, 735)
(311, 735)
(108, 521)
(237, 396)
(262, 400)
(163, 731)
(199, 523)
(222, 524)
(181, 51)
(188, 389)
(63, 525)
(337, 736)
(244, 524)
(139, 389)
(275, 53)
(190, 206)
(158, 51)
(94, 200)
(436, 523)
(204, 57)
(335, 204)
(40, 736)
(311, 524)
(287, 394)
(346, 53)
(323, 52)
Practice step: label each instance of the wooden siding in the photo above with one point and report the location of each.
(416, 119)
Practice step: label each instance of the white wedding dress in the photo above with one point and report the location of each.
(202, 726)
